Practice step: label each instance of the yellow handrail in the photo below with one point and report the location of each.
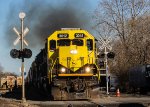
(54, 62)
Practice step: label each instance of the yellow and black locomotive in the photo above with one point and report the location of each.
(67, 65)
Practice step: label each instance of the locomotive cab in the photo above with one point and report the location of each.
(72, 52)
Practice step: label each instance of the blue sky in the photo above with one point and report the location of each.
(7, 15)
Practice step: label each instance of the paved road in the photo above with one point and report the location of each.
(64, 104)
(125, 100)
(100, 102)
(136, 101)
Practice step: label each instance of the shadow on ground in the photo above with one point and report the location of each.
(31, 93)
(131, 105)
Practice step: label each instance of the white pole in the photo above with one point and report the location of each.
(107, 91)
(22, 65)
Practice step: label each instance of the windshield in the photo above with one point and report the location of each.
(67, 42)
(77, 42)
(63, 42)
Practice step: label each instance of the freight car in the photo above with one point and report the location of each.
(3, 83)
(67, 66)
(19, 81)
(139, 78)
(11, 82)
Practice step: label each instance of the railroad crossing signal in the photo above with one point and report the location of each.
(14, 53)
(25, 53)
(22, 53)
(105, 43)
(26, 30)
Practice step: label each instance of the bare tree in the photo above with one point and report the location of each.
(4, 73)
(126, 20)
(116, 14)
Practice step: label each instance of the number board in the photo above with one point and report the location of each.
(63, 35)
(79, 35)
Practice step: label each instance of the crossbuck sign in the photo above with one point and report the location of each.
(26, 30)
(105, 43)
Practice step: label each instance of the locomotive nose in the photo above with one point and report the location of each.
(72, 57)
(73, 49)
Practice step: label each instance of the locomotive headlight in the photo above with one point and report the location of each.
(63, 70)
(87, 69)
(73, 51)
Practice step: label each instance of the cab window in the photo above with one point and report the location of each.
(90, 44)
(63, 42)
(77, 42)
(52, 44)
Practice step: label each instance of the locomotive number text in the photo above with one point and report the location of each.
(63, 35)
(79, 35)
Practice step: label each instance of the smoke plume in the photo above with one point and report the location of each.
(43, 18)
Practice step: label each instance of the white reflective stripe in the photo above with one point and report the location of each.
(16, 41)
(16, 31)
(109, 47)
(26, 30)
(25, 42)
(101, 40)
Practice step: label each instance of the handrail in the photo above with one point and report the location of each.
(51, 68)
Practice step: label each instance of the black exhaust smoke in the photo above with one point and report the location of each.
(43, 18)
